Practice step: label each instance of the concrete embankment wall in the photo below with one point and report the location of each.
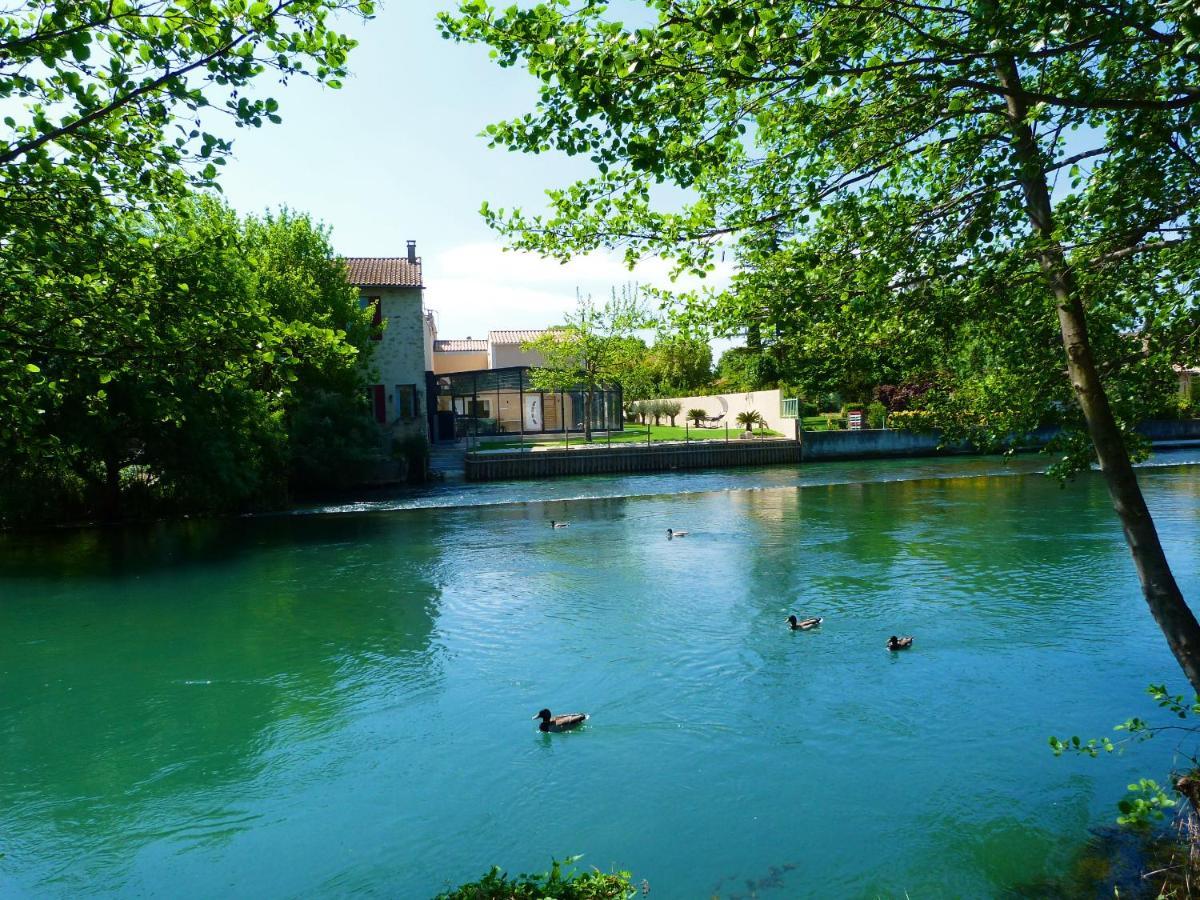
(878, 443)
(636, 458)
(815, 446)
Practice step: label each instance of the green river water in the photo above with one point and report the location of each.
(339, 702)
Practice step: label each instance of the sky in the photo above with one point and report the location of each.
(396, 155)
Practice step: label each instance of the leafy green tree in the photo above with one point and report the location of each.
(117, 90)
(591, 351)
(680, 364)
(954, 189)
(186, 350)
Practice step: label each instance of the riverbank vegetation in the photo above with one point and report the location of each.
(998, 198)
(192, 361)
(588, 885)
(157, 352)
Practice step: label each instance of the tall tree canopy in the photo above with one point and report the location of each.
(189, 351)
(115, 90)
(1000, 190)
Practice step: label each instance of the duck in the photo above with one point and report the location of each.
(798, 624)
(899, 643)
(554, 524)
(675, 534)
(565, 722)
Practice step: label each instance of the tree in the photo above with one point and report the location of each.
(679, 364)
(698, 416)
(194, 350)
(591, 351)
(98, 85)
(672, 408)
(949, 188)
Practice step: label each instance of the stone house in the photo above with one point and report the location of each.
(392, 287)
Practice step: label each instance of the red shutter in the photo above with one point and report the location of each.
(379, 403)
(376, 319)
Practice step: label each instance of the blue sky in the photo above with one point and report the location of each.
(396, 154)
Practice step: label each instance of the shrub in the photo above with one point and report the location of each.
(876, 415)
(697, 416)
(829, 402)
(750, 418)
(413, 449)
(912, 420)
(593, 885)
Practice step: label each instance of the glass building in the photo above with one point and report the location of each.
(503, 401)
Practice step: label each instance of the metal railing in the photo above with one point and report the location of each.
(789, 409)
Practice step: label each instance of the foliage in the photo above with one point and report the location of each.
(697, 416)
(414, 450)
(590, 885)
(899, 397)
(670, 409)
(912, 420)
(188, 344)
(1146, 800)
(117, 91)
(679, 365)
(749, 418)
(1002, 193)
(591, 350)
(876, 415)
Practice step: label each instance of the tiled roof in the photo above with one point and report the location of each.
(515, 337)
(383, 271)
(467, 346)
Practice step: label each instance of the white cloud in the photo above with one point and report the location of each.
(478, 287)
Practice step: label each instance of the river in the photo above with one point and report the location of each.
(338, 701)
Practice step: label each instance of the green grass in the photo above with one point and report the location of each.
(818, 423)
(634, 434)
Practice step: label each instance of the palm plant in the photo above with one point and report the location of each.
(750, 418)
(697, 416)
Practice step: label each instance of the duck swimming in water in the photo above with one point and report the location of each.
(899, 643)
(675, 534)
(554, 524)
(798, 624)
(565, 722)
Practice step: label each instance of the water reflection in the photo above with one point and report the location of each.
(340, 704)
(156, 682)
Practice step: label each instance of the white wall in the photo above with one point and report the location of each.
(765, 402)
(501, 356)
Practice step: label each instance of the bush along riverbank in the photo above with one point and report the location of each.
(569, 885)
(1155, 851)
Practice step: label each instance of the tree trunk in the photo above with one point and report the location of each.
(587, 414)
(1161, 591)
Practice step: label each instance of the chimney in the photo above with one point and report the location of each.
(412, 252)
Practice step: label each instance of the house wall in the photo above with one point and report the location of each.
(399, 357)
(502, 355)
(459, 361)
(767, 403)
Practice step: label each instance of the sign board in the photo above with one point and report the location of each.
(854, 420)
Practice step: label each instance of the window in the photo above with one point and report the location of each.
(377, 395)
(479, 409)
(376, 305)
(408, 401)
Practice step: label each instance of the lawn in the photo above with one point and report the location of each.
(634, 434)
